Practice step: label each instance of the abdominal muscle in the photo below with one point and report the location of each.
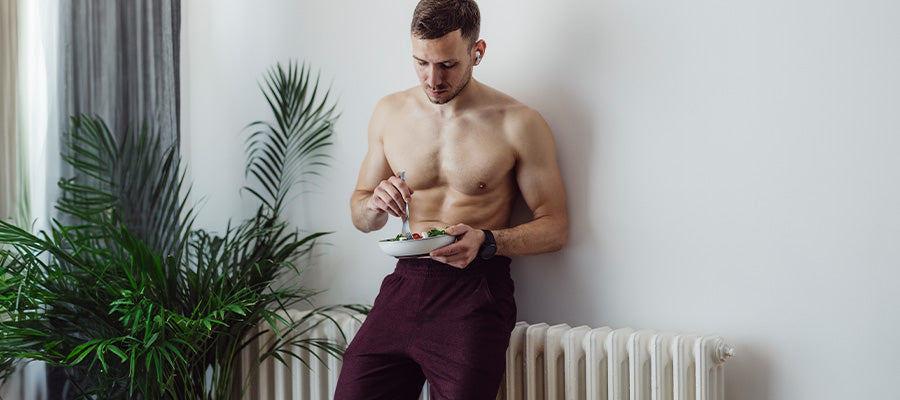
(442, 207)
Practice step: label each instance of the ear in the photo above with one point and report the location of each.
(479, 49)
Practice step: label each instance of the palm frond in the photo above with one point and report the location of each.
(135, 181)
(281, 153)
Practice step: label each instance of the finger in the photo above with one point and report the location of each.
(448, 250)
(458, 229)
(385, 202)
(457, 262)
(395, 188)
(405, 190)
(454, 261)
(399, 204)
(391, 197)
(457, 256)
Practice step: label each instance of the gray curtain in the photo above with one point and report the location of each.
(119, 60)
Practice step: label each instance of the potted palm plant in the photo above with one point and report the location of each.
(131, 298)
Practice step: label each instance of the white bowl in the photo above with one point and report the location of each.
(414, 247)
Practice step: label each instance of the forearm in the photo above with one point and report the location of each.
(364, 218)
(542, 235)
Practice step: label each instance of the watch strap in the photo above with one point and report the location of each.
(489, 246)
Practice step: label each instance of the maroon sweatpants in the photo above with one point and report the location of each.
(432, 321)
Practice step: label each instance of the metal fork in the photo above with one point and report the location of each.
(406, 231)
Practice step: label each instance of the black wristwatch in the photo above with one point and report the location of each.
(489, 247)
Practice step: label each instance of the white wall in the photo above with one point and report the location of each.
(732, 167)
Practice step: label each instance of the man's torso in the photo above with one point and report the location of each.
(461, 167)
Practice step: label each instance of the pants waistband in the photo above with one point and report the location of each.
(431, 268)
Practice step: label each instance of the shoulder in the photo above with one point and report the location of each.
(396, 102)
(515, 114)
(525, 119)
(522, 124)
(524, 127)
(390, 108)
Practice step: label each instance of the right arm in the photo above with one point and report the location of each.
(378, 191)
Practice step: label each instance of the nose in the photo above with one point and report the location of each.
(433, 76)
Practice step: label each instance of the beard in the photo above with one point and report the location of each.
(444, 98)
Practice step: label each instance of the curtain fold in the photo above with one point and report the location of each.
(119, 61)
(10, 162)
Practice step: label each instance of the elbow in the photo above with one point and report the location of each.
(363, 225)
(561, 238)
(361, 228)
(363, 222)
(367, 224)
(560, 243)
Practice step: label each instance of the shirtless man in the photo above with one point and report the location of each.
(468, 151)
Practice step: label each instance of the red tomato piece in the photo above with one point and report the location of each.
(417, 236)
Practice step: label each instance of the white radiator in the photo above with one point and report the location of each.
(543, 362)
(314, 377)
(560, 362)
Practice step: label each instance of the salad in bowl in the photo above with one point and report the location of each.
(420, 245)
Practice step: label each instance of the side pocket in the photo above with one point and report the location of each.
(485, 288)
(388, 284)
(502, 292)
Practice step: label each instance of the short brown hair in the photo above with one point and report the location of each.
(433, 19)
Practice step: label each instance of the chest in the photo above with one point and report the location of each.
(464, 155)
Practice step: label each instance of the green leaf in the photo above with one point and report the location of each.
(118, 352)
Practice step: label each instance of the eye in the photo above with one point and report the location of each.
(448, 66)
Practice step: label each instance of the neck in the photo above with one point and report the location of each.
(466, 99)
